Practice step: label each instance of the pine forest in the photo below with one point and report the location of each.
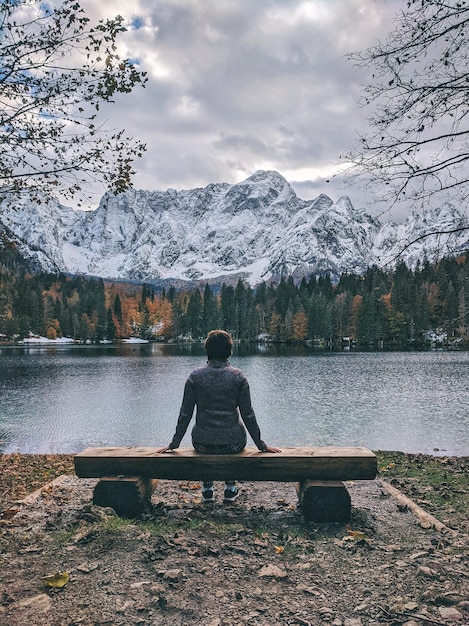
(398, 309)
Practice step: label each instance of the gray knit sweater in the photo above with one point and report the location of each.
(221, 394)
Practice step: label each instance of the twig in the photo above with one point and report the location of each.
(424, 236)
(406, 614)
(422, 516)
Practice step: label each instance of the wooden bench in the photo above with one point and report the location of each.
(128, 474)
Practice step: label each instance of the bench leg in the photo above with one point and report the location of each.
(324, 501)
(127, 495)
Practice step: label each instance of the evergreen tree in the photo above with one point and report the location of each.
(171, 295)
(110, 326)
(371, 320)
(243, 302)
(210, 314)
(195, 315)
(118, 308)
(227, 308)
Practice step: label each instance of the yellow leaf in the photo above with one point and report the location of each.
(356, 534)
(279, 549)
(387, 467)
(58, 580)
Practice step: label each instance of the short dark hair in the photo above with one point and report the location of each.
(218, 345)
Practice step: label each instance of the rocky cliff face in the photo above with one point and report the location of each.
(258, 229)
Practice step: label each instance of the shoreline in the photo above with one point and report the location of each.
(39, 341)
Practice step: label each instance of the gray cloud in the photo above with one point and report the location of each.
(240, 85)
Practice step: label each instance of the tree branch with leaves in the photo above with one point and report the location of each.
(56, 70)
(418, 143)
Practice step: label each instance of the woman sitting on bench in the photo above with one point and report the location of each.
(221, 394)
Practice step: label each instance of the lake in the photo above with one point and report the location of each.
(65, 398)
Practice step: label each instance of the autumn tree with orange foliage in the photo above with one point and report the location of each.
(404, 308)
(300, 325)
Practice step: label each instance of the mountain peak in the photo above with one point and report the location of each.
(257, 229)
(271, 176)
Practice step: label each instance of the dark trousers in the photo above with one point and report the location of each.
(226, 448)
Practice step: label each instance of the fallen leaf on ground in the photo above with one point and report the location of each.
(359, 535)
(57, 580)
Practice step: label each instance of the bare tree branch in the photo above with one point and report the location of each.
(409, 244)
(56, 70)
(418, 143)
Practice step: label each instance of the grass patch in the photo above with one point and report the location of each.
(167, 527)
(440, 484)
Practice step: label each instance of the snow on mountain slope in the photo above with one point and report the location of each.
(258, 229)
(412, 241)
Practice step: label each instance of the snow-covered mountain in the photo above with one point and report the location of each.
(257, 229)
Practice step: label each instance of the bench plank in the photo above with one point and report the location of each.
(290, 465)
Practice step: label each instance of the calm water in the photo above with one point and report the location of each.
(67, 398)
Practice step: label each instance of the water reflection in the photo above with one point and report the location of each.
(64, 398)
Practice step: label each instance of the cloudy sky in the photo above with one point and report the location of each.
(241, 85)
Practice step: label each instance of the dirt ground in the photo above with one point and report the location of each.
(253, 562)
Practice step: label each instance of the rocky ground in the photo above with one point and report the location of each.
(256, 562)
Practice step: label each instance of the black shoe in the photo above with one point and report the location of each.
(207, 495)
(231, 494)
